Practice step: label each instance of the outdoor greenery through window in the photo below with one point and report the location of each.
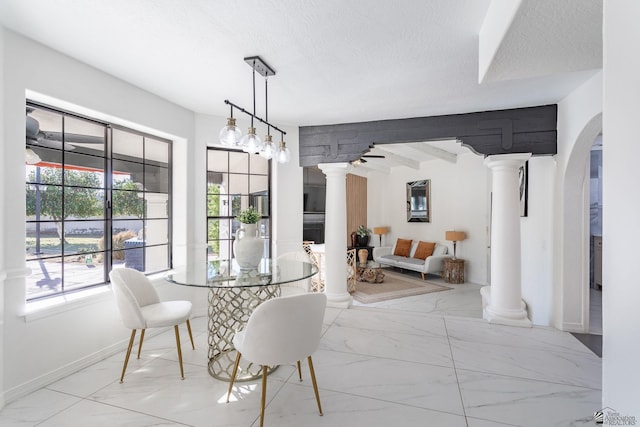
(98, 197)
(235, 181)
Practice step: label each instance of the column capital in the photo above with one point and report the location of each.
(512, 161)
(335, 168)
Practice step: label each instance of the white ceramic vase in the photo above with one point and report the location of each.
(248, 247)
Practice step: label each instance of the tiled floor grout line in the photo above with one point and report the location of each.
(455, 372)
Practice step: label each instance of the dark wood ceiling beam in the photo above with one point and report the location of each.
(519, 130)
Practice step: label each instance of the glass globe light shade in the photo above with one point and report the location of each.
(230, 134)
(283, 155)
(269, 147)
(251, 143)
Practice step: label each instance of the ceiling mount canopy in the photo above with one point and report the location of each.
(251, 142)
(362, 159)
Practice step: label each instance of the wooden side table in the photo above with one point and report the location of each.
(453, 270)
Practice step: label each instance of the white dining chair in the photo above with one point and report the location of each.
(299, 286)
(141, 308)
(281, 330)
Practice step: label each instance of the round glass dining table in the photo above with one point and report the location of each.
(233, 295)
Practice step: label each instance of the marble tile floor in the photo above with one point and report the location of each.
(376, 366)
(461, 300)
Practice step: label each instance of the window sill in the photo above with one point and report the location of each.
(41, 309)
(47, 307)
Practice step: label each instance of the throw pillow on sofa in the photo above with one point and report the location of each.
(403, 247)
(424, 250)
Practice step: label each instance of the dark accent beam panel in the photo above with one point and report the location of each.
(519, 130)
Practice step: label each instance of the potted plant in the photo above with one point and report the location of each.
(249, 216)
(363, 235)
(248, 247)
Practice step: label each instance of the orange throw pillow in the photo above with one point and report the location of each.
(424, 250)
(403, 247)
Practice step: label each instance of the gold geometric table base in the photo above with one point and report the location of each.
(229, 311)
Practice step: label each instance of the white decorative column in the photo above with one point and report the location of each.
(502, 301)
(335, 232)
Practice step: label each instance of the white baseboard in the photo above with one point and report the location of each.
(574, 327)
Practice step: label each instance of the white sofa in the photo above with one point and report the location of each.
(432, 264)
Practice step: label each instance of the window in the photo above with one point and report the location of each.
(98, 196)
(235, 181)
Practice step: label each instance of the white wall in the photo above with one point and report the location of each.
(579, 123)
(536, 231)
(459, 200)
(39, 349)
(621, 290)
(2, 218)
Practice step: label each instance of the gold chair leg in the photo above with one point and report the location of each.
(140, 343)
(193, 346)
(422, 275)
(315, 385)
(263, 398)
(299, 371)
(233, 375)
(179, 350)
(126, 359)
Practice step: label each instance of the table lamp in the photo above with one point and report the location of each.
(380, 231)
(454, 236)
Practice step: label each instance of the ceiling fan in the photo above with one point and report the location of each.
(363, 158)
(51, 139)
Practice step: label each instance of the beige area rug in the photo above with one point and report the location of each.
(395, 285)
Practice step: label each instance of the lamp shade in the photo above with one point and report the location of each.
(454, 236)
(380, 230)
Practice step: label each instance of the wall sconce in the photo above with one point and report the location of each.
(380, 231)
(454, 236)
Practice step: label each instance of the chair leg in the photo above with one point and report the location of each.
(315, 384)
(299, 371)
(263, 398)
(193, 346)
(422, 275)
(179, 350)
(126, 359)
(233, 375)
(140, 343)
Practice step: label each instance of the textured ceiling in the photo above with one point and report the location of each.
(550, 37)
(336, 61)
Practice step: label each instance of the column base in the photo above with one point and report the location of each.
(501, 316)
(339, 300)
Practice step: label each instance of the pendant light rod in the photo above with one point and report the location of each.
(226, 101)
(266, 104)
(254, 93)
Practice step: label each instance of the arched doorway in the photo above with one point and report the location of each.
(574, 262)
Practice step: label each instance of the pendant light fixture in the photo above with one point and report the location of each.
(283, 155)
(251, 142)
(230, 134)
(269, 147)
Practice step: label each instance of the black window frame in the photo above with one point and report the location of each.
(234, 224)
(106, 159)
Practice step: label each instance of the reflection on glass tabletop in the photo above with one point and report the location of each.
(224, 274)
